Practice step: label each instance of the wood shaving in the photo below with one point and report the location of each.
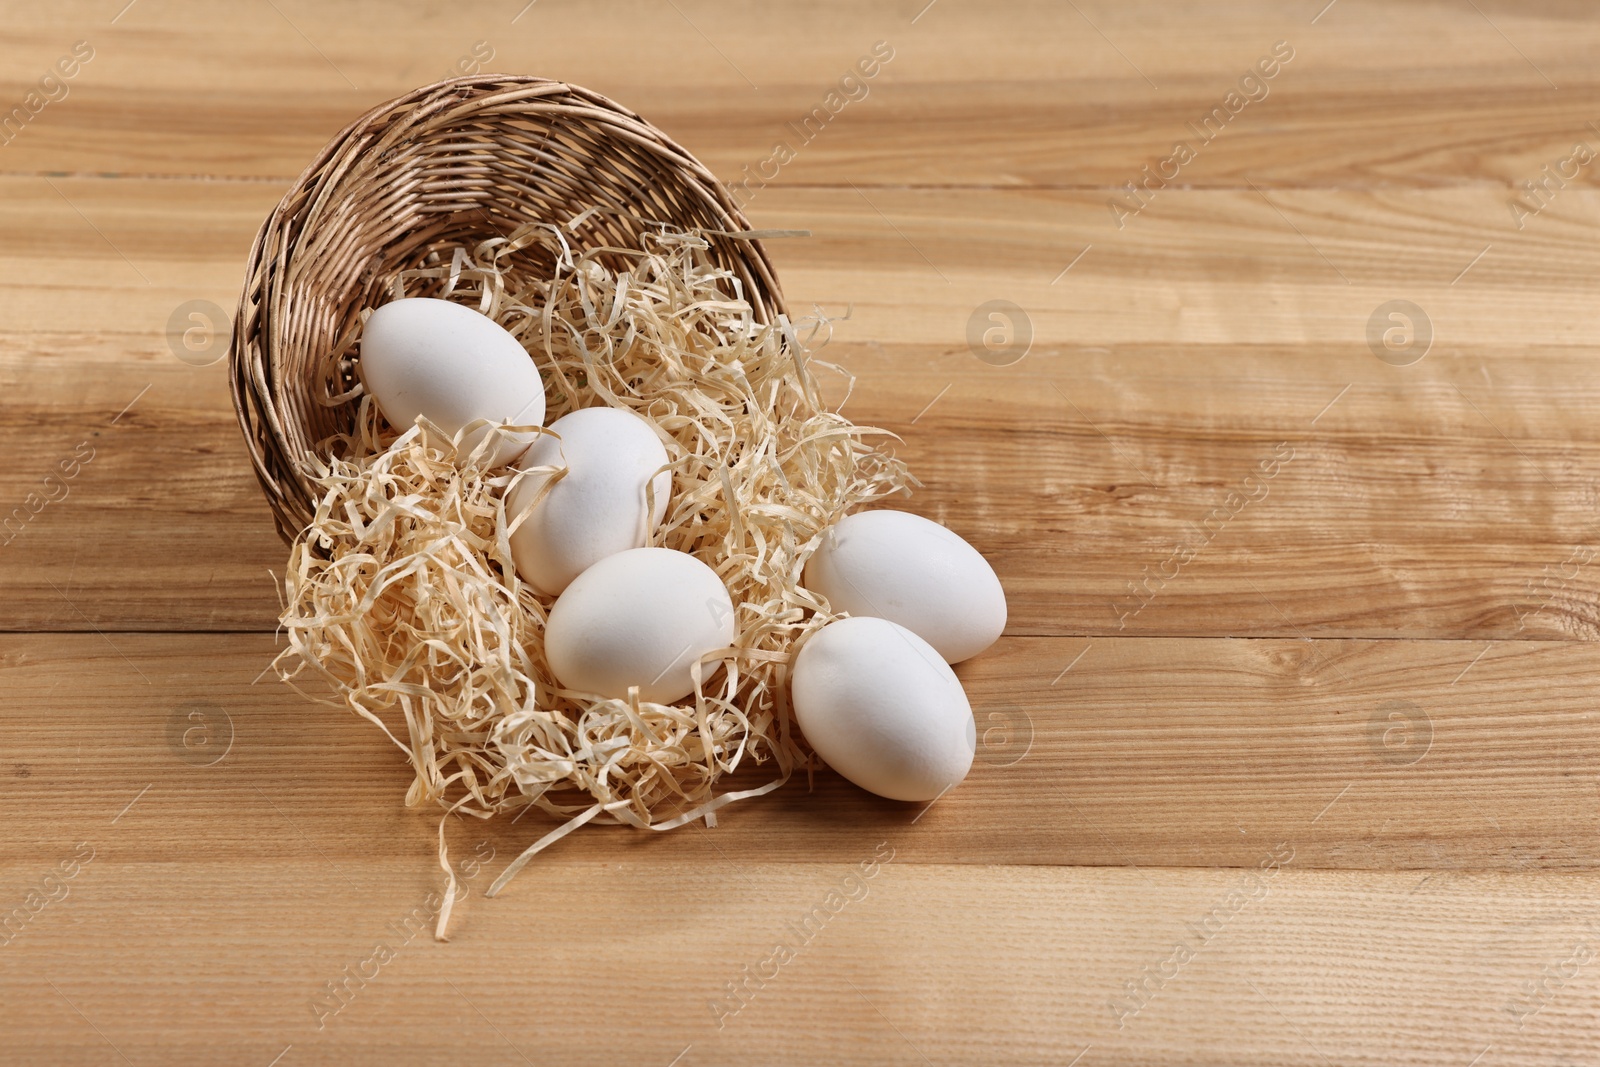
(401, 594)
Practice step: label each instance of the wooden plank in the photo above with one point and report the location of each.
(1146, 751)
(230, 961)
(1431, 505)
(1197, 267)
(1039, 94)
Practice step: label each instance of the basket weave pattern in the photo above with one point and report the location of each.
(449, 164)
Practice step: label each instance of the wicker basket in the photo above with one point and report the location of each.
(450, 164)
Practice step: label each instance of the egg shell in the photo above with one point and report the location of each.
(883, 708)
(598, 508)
(641, 617)
(902, 567)
(437, 358)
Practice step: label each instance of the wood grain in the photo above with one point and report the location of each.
(1372, 667)
(1100, 752)
(225, 962)
(1041, 95)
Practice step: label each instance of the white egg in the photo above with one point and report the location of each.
(448, 362)
(881, 707)
(898, 566)
(641, 617)
(598, 507)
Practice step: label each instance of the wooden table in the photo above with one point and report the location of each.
(1289, 754)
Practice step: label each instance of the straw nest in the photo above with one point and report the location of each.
(401, 592)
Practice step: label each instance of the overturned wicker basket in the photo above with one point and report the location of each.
(449, 164)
